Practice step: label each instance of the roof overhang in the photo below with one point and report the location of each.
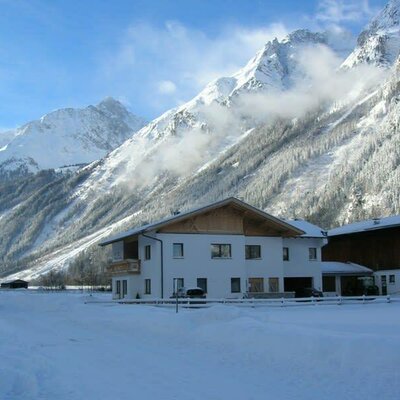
(287, 229)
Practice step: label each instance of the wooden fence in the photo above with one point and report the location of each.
(282, 302)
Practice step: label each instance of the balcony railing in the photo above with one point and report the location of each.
(128, 266)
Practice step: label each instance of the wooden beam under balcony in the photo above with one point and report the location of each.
(128, 266)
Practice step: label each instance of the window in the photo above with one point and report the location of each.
(177, 250)
(147, 252)
(124, 288)
(392, 279)
(286, 254)
(118, 289)
(147, 286)
(312, 253)
(118, 251)
(273, 285)
(256, 285)
(220, 251)
(253, 251)
(202, 284)
(178, 283)
(329, 284)
(235, 285)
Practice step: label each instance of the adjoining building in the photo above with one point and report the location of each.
(15, 284)
(228, 248)
(374, 244)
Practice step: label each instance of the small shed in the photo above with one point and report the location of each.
(15, 284)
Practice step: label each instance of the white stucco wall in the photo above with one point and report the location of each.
(392, 288)
(299, 264)
(198, 263)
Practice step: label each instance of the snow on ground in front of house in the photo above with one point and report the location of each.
(53, 346)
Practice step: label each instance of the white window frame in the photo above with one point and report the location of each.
(310, 256)
(285, 256)
(219, 257)
(147, 286)
(247, 247)
(182, 250)
(147, 252)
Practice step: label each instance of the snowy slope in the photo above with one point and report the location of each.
(101, 351)
(6, 137)
(379, 43)
(69, 136)
(188, 137)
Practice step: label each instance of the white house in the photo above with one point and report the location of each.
(228, 248)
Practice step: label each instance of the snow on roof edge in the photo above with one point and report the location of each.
(366, 226)
(156, 224)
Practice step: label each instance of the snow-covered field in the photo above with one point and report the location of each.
(54, 346)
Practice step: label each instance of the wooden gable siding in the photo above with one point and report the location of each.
(221, 220)
(225, 220)
(378, 249)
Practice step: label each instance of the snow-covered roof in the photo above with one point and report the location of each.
(336, 267)
(310, 230)
(365, 226)
(175, 218)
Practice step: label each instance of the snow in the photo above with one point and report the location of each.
(379, 43)
(75, 136)
(335, 267)
(369, 225)
(53, 346)
(310, 230)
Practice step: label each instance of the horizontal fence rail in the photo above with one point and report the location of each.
(281, 302)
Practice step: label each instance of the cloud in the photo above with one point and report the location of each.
(339, 11)
(148, 55)
(195, 142)
(166, 87)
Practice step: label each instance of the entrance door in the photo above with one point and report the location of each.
(124, 288)
(118, 289)
(384, 285)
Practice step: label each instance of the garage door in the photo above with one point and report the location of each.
(294, 284)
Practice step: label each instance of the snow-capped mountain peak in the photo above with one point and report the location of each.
(274, 67)
(75, 136)
(379, 43)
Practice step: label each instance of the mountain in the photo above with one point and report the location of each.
(291, 133)
(379, 43)
(75, 136)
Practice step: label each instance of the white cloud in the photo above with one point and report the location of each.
(318, 83)
(166, 87)
(338, 11)
(149, 55)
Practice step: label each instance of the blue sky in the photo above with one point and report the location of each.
(152, 55)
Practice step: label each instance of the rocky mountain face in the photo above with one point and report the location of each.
(291, 133)
(67, 137)
(379, 43)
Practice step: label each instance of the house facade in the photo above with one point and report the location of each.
(374, 244)
(229, 249)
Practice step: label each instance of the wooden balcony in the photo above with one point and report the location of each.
(128, 266)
